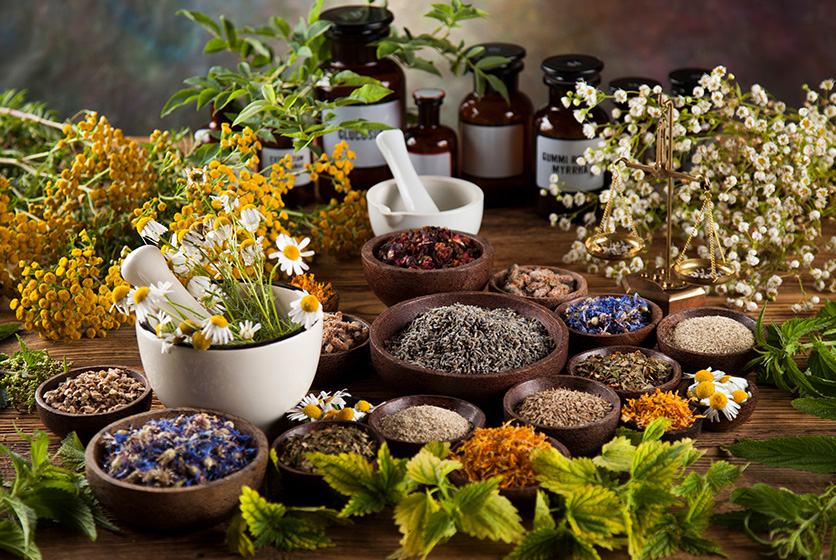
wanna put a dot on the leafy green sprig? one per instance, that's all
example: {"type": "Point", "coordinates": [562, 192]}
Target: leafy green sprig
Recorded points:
{"type": "Point", "coordinates": [22, 372]}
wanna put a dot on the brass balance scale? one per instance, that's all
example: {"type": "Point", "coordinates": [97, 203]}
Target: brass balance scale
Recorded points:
{"type": "Point", "coordinates": [677, 286]}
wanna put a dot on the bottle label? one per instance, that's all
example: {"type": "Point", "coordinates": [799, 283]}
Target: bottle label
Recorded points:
{"type": "Point", "coordinates": [363, 145]}
{"type": "Point", "coordinates": [560, 157]}
{"type": "Point", "coordinates": [432, 164]}
{"type": "Point", "coordinates": [493, 152]}
{"type": "Point", "coordinates": [269, 156]}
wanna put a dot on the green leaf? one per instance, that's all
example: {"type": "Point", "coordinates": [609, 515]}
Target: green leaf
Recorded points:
{"type": "Point", "coordinates": [13, 539]}
{"type": "Point", "coordinates": [561, 475]}
{"type": "Point", "coordinates": [616, 455]}
{"type": "Point", "coordinates": [471, 497]}
{"type": "Point", "coordinates": [660, 543]}
{"type": "Point", "coordinates": [255, 107]}
{"type": "Point", "coordinates": [543, 543]}
{"type": "Point", "coordinates": [591, 512]}
{"type": "Point", "coordinates": [370, 93]}
{"type": "Point", "coordinates": [809, 453]}
{"type": "Point", "coordinates": [498, 520]}
{"type": "Point", "coordinates": [823, 407]}
{"type": "Point", "coordinates": [202, 20]}
{"type": "Point", "coordinates": [694, 544]}
{"type": "Point", "coordinates": [8, 330]}
{"type": "Point", "coordinates": [363, 503]}
{"type": "Point", "coordinates": [347, 473]}
{"type": "Point", "coordinates": [236, 539]}
{"type": "Point", "coordinates": [491, 62]}
{"type": "Point", "coordinates": [215, 44]}
{"type": "Point", "coordinates": [656, 429]}
{"type": "Point", "coordinates": [64, 507]}
{"type": "Point", "coordinates": [26, 518]}
{"type": "Point", "coordinates": [776, 503]}
{"type": "Point", "coordinates": [821, 362]}
{"type": "Point", "coordinates": [690, 487]}
{"type": "Point", "coordinates": [658, 462]}
{"type": "Point", "coordinates": [439, 529]}
{"type": "Point", "coordinates": [38, 448]}
{"type": "Point", "coordinates": [700, 509]}
{"type": "Point", "coordinates": [182, 97]}
{"type": "Point", "coordinates": [542, 514]}
{"type": "Point", "coordinates": [722, 474]}
{"type": "Point", "coordinates": [426, 468]}
{"type": "Point", "coordinates": [285, 528]}
{"type": "Point", "coordinates": [411, 516]}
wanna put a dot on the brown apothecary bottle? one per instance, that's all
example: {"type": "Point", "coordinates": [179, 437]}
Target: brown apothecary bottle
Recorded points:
{"type": "Point", "coordinates": [432, 147]}
{"type": "Point", "coordinates": [273, 150]}
{"type": "Point", "coordinates": [353, 29]}
{"type": "Point", "coordinates": [496, 135]}
{"type": "Point", "coordinates": [560, 138]}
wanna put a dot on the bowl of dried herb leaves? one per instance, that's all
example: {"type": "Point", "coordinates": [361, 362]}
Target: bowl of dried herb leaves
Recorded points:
{"type": "Point", "coordinates": [611, 319]}
{"type": "Point", "coordinates": [547, 285]}
{"type": "Point", "coordinates": [406, 264]}
{"type": "Point", "coordinates": [630, 370]}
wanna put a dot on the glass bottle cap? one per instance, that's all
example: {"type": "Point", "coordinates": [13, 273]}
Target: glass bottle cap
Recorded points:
{"type": "Point", "coordinates": [684, 80]}
{"type": "Point", "coordinates": [566, 69]}
{"type": "Point", "coordinates": [514, 53]}
{"type": "Point", "coordinates": [428, 96]}
{"type": "Point", "coordinates": [357, 23]}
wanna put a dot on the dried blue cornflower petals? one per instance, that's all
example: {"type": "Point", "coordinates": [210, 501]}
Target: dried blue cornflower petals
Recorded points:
{"type": "Point", "coordinates": [182, 451]}
{"type": "Point", "coordinates": [608, 314]}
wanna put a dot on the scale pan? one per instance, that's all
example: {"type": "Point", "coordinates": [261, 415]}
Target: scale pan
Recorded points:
{"type": "Point", "coordinates": [613, 246]}
{"type": "Point", "coordinates": [698, 271]}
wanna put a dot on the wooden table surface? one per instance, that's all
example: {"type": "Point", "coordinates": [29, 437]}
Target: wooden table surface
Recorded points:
{"type": "Point", "coordinates": [518, 236]}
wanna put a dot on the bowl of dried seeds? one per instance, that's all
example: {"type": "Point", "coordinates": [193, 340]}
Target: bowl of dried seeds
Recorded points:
{"type": "Point", "coordinates": [703, 337]}
{"type": "Point", "coordinates": [629, 370]}
{"type": "Point", "coordinates": [406, 264]}
{"type": "Point", "coordinates": [580, 413]}
{"type": "Point", "coordinates": [411, 421]}
{"type": "Point", "coordinates": [610, 320]}
{"type": "Point", "coordinates": [86, 399]}
{"type": "Point", "coordinates": [345, 348]}
{"type": "Point", "coordinates": [547, 285]}
{"type": "Point", "coordinates": [470, 345]}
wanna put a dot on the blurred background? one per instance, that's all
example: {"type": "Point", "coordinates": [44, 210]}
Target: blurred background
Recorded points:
{"type": "Point", "coordinates": [125, 58]}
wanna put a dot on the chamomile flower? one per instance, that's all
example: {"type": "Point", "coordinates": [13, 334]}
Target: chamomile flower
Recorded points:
{"type": "Point", "coordinates": [720, 402]}
{"type": "Point", "coordinates": [216, 330]}
{"type": "Point", "coordinates": [247, 330]}
{"type": "Point", "coordinates": [251, 218]}
{"type": "Point", "coordinates": [151, 229]}
{"type": "Point", "coordinates": [307, 410]}
{"type": "Point", "coordinates": [306, 310]}
{"type": "Point", "coordinates": [142, 303]}
{"type": "Point", "coordinates": [120, 299]}
{"type": "Point", "coordinates": [326, 406]}
{"type": "Point", "coordinates": [290, 254]}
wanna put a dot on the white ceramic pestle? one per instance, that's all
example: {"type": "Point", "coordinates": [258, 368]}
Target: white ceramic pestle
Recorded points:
{"type": "Point", "coordinates": [146, 265]}
{"type": "Point", "coordinates": [415, 196]}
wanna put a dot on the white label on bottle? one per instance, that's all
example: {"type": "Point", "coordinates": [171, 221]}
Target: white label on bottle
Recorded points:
{"type": "Point", "coordinates": [432, 164]}
{"type": "Point", "coordinates": [561, 158]}
{"type": "Point", "coordinates": [269, 156]}
{"type": "Point", "coordinates": [363, 145]}
{"type": "Point", "coordinates": [493, 152]}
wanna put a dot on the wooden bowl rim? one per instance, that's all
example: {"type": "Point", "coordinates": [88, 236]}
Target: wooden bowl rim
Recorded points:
{"type": "Point", "coordinates": [341, 353]}
{"type": "Point", "coordinates": [376, 415]}
{"type": "Point", "coordinates": [656, 316]}
{"type": "Point", "coordinates": [367, 254]}
{"type": "Point", "coordinates": [55, 380]}
{"type": "Point", "coordinates": [676, 368]}
{"type": "Point", "coordinates": [669, 323]}
{"type": "Point", "coordinates": [580, 283]}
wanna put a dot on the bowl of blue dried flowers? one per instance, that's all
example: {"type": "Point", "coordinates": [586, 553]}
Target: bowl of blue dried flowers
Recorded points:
{"type": "Point", "coordinates": [610, 320]}
{"type": "Point", "coordinates": [175, 469]}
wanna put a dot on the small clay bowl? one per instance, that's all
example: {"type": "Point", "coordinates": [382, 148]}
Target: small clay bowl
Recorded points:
{"type": "Point", "coordinates": [624, 394]}
{"type": "Point", "coordinates": [308, 488]}
{"type": "Point", "coordinates": [404, 448]}
{"type": "Point", "coordinates": [523, 498]}
{"type": "Point", "coordinates": [724, 424]}
{"type": "Point", "coordinates": [583, 440]}
{"type": "Point", "coordinates": [691, 362]}
{"type": "Point", "coordinates": [175, 509]}
{"type": "Point", "coordinates": [393, 284]}
{"type": "Point", "coordinates": [85, 426]}
{"type": "Point", "coordinates": [581, 341]}
{"type": "Point", "coordinates": [581, 289]}
{"type": "Point", "coordinates": [406, 378]}
{"type": "Point", "coordinates": [332, 304]}
{"type": "Point", "coordinates": [335, 368]}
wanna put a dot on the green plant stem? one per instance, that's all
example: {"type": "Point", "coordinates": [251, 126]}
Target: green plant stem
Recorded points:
{"type": "Point", "coordinates": [30, 117]}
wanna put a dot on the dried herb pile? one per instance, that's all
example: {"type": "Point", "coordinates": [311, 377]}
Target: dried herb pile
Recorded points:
{"type": "Point", "coordinates": [430, 247]}
{"type": "Point", "coordinates": [332, 440]}
{"type": "Point", "coordinates": [632, 371]}
{"type": "Point", "coordinates": [608, 314]}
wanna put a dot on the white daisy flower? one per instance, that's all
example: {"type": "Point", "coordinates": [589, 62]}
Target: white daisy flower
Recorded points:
{"type": "Point", "coordinates": [729, 383]}
{"type": "Point", "coordinates": [290, 254]}
{"type": "Point", "coordinates": [246, 329]}
{"type": "Point", "coordinates": [198, 286]}
{"type": "Point", "coordinates": [159, 291]}
{"type": "Point", "coordinates": [228, 203]}
{"type": "Point", "coordinates": [143, 303]}
{"type": "Point", "coordinates": [251, 218]}
{"type": "Point", "coordinates": [151, 230]}
{"type": "Point", "coordinates": [121, 299]}
{"type": "Point", "coordinates": [307, 410]}
{"type": "Point", "coordinates": [306, 310]}
{"type": "Point", "coordinates": [720, 402]}
{"type": "Point", "coordinates": [216, 330]}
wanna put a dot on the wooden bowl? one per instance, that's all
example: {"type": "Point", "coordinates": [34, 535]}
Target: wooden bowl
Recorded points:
{"type": "Point", "coordinates": [624, 394]}
{"type": "Point", "coordinates": [174, 509]}
{"type": "Point", "coordinates": [335, 368]}
{"type": "Point", "coordinates": [308, 488]}
{"type": "Point", "coordinates": [732, 363]}
{"type": "Point", "coordinates": [581, 341]}
{"type": "Point", "coordinates": [724, 424]}
{"type": "Point", "coordinates": [406, 378]}
{"type": "Point", "coordinates": [583, 440]}
{"type": "Point", "coordinates": [581, 288]}
{"type": "Point", "coordinates": [332, 304]}
{"type": "Point", "coordinates": [404, 448]}
{"type": "Point", "coordinates": [85, 426]}
{"type": "Point", "coordinates": [393, 284]}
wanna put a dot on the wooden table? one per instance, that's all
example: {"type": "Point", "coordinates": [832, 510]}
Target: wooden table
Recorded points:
{"type": "Point", "coordinates": [518, 236]}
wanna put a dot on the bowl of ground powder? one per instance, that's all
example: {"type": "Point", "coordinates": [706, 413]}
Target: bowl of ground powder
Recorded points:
{"type": "Point", "coordinates": [700, 337]}
{"type": "Point", "coordinates": [409, 422]}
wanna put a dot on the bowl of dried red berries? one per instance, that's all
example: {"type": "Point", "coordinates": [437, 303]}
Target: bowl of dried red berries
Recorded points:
{"type": "Point", "coordinates": [406, 264]}
{"type": "Point", "coordinates": [175, 469]}
{"type": "Point", "coordinates": [548, 286]}
{"type": "Point", "coordinates": [345, 348]}
{"type": "Point", "coordinates": [86, 399]}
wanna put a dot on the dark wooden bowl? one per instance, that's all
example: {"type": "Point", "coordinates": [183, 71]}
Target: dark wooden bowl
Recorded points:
{"type": "Point", "coordinates": [174, 509]}
{"type": "Point", "coordinates": [332, 304]}
{"type": "Point", "coordinates": [724, 424]}
{"type": "Point", "coordinates": [392, 284]}
{"type": "Point", "coordinates": [524, 498]}
{"type": "Point", "coordinates": [406, 378]}
{"type": "Point", "coordinates": [624, 394]}
{"type": "Point", "coordinates": [337, 367]}
{"type": "Point", "coordinates": [732, 363]}
{"type": "Point", "coordinates": [581, 288]}
{"type": "Point", "coordinates": [85, 426]}
{"type": "Point", "coordinates": [581, 341]}
{"type": "Point", "coordinates": [305, 488]}
{"type": "Point", "coordinates": [584, 440]}
{"type": "Point", "coordinates": [403, 448]}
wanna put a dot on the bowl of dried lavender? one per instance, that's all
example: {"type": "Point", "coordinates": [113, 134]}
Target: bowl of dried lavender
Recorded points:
{"type": "Point", "coordinates": [86, 399]}
{"type": "Point", "coordinates": [580, 413]}
{"type": "Point", "coordinates": [410, 263]}
{"type": "Point", "coordinates": [411, 421]}
{"type": "Point", "coordinates": [630, 370]}
{"type": "Point", "coordinates": [469, 345]}
{"type": "Point", "coordinates": [547, 285]}
{"type": "Point", "coordinates": [345, 348]}
{"type": "Point", "coordinates": [175, 469]}
{"type": "Point", "coordinates": [610, 320]}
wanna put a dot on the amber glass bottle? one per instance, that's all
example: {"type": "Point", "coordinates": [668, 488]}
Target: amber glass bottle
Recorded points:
{"type": "Point", "coordinates": [273, 151]}
{"type": "Point", "coordinates": [353, 29]}
{"type": "Point", "coordinates": [496, 135]}
{"type": "Point", "coordinates": [684, 80]}
{"type": "Point", "coordinates": [560, 138]}
{"type": "Point", "coordinates": [432, 147]}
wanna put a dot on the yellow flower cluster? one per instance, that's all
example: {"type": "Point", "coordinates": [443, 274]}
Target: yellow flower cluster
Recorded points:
{"type": "Point", "coordinates": [343, 227]}
{"type": "Point", "coordinates": [71, 298]}
{"type": "Point", "coordinates": [246, 143]}
{"type": "Point", "coordinates": [337, 167]}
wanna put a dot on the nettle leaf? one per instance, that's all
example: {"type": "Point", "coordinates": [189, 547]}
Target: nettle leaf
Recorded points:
{"type": "Point", "coordinates": [661, 542]}
{"type": "Point", "coordinates": [616, 455]}
{"type": "Point", "coordinates": [71, 452]}
{"type": "Point", "coordinates": [426, 468]}
{"type": "Point", "coordinates": [543, 543]}
{"type": "Point", "coordinates": [560, 474]}
{"type": "Point", "coordinates": [26, 518]}
{"type": "Point", "coordinates": [236, 539]}
{"type": "Point", "coordinates": [656, 429]}
{"type": "Point", "coordinates": [497, 520]}
{"type": "Point", "coordinates": [347, 473]}
{"type": "Point", "coordinates": [691, 486]}
{"type": "Point", "coordinates": [823, 407]}
{"type": "Point", "coordinates": [700, 509]}
{"type": "Point", "coordinates": [411, 516]}
{"type": "Point", "coordinates": [13, 539]}
{"type": "Point", "coordinates": [64, 507]}
{"type": "Point", "coordinates": [390, 479]}
{"type": "Point", "coordinates": [542, 513]}
{"type": "Point", "coordinates": [285, 528]}
{"type": "Point", "coordinates": [439, 529]}
{"type": "Point", "coordinates": [694, 544]}
{"type": "Point", "coordinates": [471, 497]}
{"type": "Point", "coordinates": [722, 474]}
{"type": "Point", "coordinates": [808, 453]}
{"type": "Point", "coordinates": [776, 503]}
{"type": "Point", "coordinates": [8, 330]}
{"type": "Point", "coordinates": [591, 512]}
{"type": "Point", "coordinates": [658, 462]}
